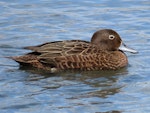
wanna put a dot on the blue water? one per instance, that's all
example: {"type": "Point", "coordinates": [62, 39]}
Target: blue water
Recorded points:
{"type": "Point", "coordinates": [32, 22]}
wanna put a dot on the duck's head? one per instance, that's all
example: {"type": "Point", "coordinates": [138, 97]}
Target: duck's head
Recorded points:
{"type": "Point", "coordinates": [108, 39]}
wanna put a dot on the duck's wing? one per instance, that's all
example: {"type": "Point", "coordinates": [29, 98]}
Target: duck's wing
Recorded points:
{"type": "Point", "coordinates": [60, 48]}
{"type": "Point", "coordinates": [47, 52]}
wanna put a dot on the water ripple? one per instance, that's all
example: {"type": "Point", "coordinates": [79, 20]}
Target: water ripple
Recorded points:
{"type": "Point", "coordinates": [32, 22]}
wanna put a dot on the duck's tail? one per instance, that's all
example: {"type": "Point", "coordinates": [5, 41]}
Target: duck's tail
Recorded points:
{"type": "Point", "coordinates": [30, 60]}
{"type": "Point", "coordinates": [27, 60]}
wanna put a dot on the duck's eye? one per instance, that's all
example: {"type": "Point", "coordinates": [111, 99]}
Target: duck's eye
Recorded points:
{"type": "Point", "coordinates": [111, 37]}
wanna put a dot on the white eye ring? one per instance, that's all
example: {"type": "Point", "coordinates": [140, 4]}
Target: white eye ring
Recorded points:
{"type": "Point", "coordinates": [111, 37]}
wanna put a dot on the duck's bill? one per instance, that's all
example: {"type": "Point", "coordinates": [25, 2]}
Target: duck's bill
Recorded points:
{"type": "Point", "coordinates": [123, 47]}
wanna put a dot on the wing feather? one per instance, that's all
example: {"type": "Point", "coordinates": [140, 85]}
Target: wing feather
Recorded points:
{"type": "Point", "coordinates": [48, 52]}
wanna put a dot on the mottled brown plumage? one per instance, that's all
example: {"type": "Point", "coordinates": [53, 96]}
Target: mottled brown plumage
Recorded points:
{"type": "Point", "coordinates": [102, 53]}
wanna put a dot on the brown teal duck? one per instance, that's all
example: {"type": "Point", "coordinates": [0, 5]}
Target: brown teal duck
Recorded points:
{"type": "Point", "coordinates": [104, 52]}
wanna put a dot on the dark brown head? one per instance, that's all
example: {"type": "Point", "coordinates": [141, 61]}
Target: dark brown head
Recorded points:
{"type": "Point", "coordinates": [106, 39]}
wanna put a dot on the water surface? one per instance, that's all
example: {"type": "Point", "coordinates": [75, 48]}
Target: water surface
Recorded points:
{"type": "Point", "coordinates": [32, 22]}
